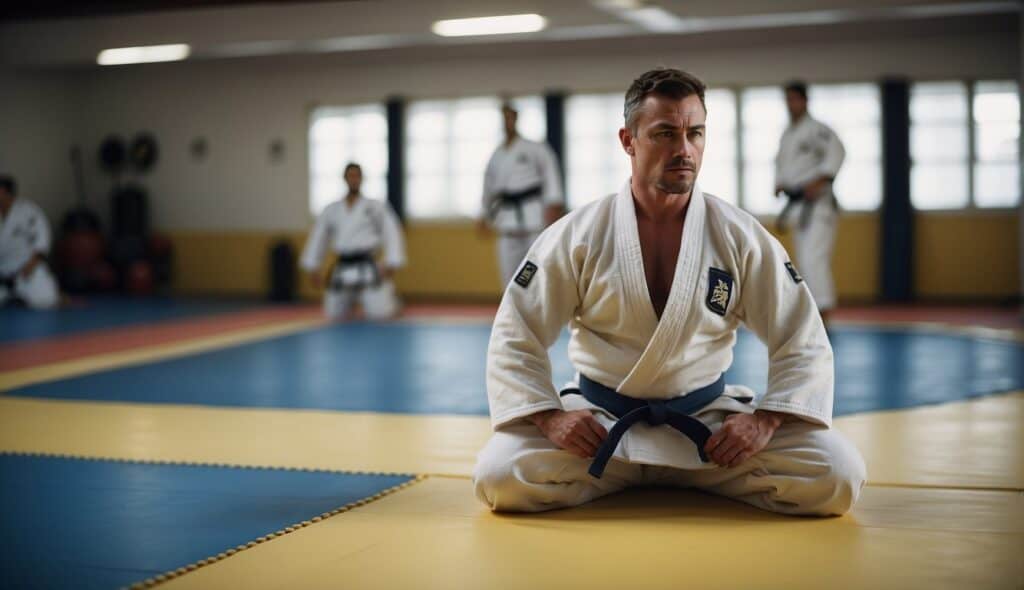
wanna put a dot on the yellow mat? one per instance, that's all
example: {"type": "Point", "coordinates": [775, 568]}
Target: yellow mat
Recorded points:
{"type": "Point", "coordinates": [383, 443]}
{"type": "Point", "coordinates": [974, 445]}
{"type": "Point", "coordinates": [434, 534]}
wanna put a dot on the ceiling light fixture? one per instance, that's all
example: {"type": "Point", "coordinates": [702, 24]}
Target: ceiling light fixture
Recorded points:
{"type": "Point", "coordinates": [490, 25]}
{"type": "Point", "coordinates": [141, 55]}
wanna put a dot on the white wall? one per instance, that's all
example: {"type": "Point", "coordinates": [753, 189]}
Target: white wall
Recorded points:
{"type": "Point", "coordinates": [240, 106]}
{"type": "Point", "coordinates": [38, 124]}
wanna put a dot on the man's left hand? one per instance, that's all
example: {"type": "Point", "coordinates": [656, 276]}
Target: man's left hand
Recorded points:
{"type": "Point", "coordinates": [741, 437]}
{"type": "Point", "coordinates": [386, 273]}
{"type": "Point", "coordinates": [814, 189]}
{"type": "Point", "coordinates": [30, 266]}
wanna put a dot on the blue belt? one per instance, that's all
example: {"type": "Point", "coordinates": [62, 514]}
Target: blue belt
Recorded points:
{"type": "Point", "coordinates": [630, 410]}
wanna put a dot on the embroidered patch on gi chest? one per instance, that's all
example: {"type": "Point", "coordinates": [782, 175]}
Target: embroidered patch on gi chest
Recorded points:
{"type": "Point", "coordinates": [793, 273]}
{"type": "Point", "coordinates": [525, 274]}
{"type": "Point", "coordinates": [719, 290]}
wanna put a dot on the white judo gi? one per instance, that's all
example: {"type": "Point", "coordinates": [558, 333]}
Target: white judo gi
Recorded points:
{"type": "Point", "coordinates": [25, 232]}
{"type": "Point", "coordinates": [368, 229]}
{"type": "Point", "coordinates": [523, 166]}
{"type": "Point", "coordinates": [809, 149]}
{"type": "Point", "coordinates": [586, 270]}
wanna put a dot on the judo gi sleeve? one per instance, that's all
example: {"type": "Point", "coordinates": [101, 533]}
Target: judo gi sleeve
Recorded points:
{"type": "Point", "coordinates": [316, 244]}
{"type": "Point", "coordinates": [538, 302]}
{"type": "Point", "coordinates": [777, 305]}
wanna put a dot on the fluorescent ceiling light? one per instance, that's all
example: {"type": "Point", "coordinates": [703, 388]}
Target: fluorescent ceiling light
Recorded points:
{"type": "Point", "coordinates": [490, 25]}
{"type": "Point", "coordinates": [654, 18]}
{"type": "Point", "coordinates": [141, 55]}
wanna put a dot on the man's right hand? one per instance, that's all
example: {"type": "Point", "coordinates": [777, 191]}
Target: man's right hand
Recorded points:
{"type": "Point", "coordinates": [483, 228]}
{"type": "Point", "coordinates": [577, 432]}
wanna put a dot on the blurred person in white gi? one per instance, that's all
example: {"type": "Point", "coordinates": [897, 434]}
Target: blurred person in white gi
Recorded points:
{"type": "Point", "coordinates": [810, 155]}
{"type": "Point", "coordinates": [654, 282]}
{"type": "Point", "coordinates": [366, 238]}
{"type": "Point", "coordinates": [24, 244]}
{"type": "Point", "coordinates": [522, 194]}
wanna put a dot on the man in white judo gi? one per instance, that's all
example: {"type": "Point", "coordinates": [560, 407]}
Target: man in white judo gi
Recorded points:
{"type": "Point", "coordinates": [522, 194]}
{"type": "Point", "coordinates": [24, 244]}
{"type": "Point", "coordinates": [357, 230]}
{"type": "Point", "coordinates": [809, 158]}
{"type": "Point", "coordinates": [654, 281]}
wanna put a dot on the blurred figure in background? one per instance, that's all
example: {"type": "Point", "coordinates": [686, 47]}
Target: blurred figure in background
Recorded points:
{"type": "Point", "coordinates": [356, 230]}
{"type": "Point", "coordinates": [24, 244]}
{"type": "Point", "coordinates": [522, 194]}
{"type": "Point", "coordinates": [808, 160]}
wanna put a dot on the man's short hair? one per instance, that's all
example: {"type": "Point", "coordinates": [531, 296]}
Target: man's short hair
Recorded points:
{"type": "Point", "coordinates": [667, 82]}
{"type": "Point", "coordinates": [350, 166]}
{"type": "Point", "coordinates": [8, 184]}
{"type": "Point", "coordinates": [797, 86]}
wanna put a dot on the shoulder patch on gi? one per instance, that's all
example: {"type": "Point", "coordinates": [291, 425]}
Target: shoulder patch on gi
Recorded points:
{"type": "Point", "coordinates": [793, 273]}
{"type": "Point", "coordinates": [525, 274]}
{"type": "Point", "coordinates": [719, 290]}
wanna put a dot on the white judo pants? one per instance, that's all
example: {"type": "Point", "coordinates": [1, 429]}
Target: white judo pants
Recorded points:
{"type": "Point", "coordinates": [378, 302]}
{"type": "Point", "coordinates": [814, 246]}
{"type": "Point", "coordinates": [512, 248]}
{"type": "Point", "coordinates": [805, 470]}
{"type": "Point", "coordinates": [38, 290]}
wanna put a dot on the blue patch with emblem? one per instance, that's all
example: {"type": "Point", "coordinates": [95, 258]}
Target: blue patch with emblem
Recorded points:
{"type": "Point", "coordinates": [526, 274]}
{"type": "Point", "coordinates": [720, 284]}
{"type": "Point", "coordinates": [793, 273]}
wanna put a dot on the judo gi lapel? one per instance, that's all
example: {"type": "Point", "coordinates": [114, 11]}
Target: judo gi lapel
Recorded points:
{"type": "Point", "coordinates": [666, 332]}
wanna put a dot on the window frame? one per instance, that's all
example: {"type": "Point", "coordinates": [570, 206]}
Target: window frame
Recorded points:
{"type": "Point", "coordinates": [311, 110]}
{"type": "Point", "coordinates": [450, 220]}
{"type": "Point", "coordinates": [972, 206]}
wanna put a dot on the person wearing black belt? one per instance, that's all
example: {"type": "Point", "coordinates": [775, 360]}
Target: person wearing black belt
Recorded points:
{"type": "Point", "coordinates": [654, 282]}
{"type": "Point", "coordinates": [366, 241]}
{"type": "Point", "coordinates": [24, 244]}
{"type": "Point", "coordinates": [810, 155]}
{"type": "Point", "coordinates": [522, 194]}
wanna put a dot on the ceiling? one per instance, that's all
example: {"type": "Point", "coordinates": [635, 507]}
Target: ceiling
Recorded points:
{"type": "Point", "coordinates": [71, 33]}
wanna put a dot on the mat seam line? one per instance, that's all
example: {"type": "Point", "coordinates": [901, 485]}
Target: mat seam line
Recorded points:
{"type": "Point", "coordinates": [181, 571]}
{"type": "Point", "coordinates": [177, 463]}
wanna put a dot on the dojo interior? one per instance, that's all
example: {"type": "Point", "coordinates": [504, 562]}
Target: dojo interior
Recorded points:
{"type": "Point", "coordinates": [187, 418]}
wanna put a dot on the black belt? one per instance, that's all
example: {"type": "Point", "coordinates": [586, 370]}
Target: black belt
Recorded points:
{"type": "Point", "coordinates": [8, 281]}
{"type": "Point", "coordinates": [795, 197]}
{"type": "Point", "coordinates": [362, 258]}
{"type": "Point", "coordinates": [516, 199]}
{"type": "Point", "coordinates": [629, 410]}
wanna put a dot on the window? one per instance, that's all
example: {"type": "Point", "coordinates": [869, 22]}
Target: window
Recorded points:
{"type": "Point", "coordinates": [996, 128]}
{"type": "Point", "coordinates": [939, 145]}
{"type": "Point", "coordinates": [854, 112]}
{"type": "Point", "coordinates": [339, 135]}
{"type": "Point", "coordinates": [448, 145]}
{"type": "Point", "coordinates": [718, 172]}
{"type": "Point", "coordinates": [597, 166]}
{"type": "Point", "coordinates": [764, 119]}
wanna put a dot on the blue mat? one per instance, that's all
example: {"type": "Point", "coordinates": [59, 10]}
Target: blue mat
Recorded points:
{"type": "Point", "coordinates": [97, 524]}
{"type": "Point", "coordinates": [97, 313]}
{"type": "Point", "coordinates": [431, 369]}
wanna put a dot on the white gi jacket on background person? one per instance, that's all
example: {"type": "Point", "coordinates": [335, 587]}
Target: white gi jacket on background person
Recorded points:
{"type": "Point", "coordinates": [367, 226]}
{"type": "Point", "coordinates": [522, 165]}
{"type": "Point", "coordinates": [809, 149]}
{"type": "Point", "coordinates": [24, 232]}
{"type": "Point", "coordinates": [587, 270]}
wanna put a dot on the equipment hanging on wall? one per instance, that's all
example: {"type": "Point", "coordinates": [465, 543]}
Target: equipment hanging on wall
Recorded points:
{"type": "Point", "coordinates": [143, 153]}
{"type": "Point", "coordinates": [113, 155]}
